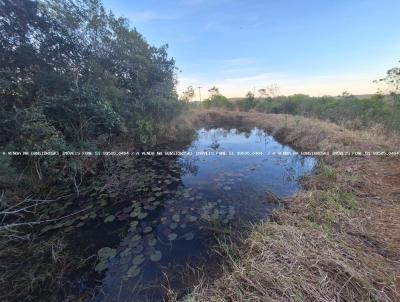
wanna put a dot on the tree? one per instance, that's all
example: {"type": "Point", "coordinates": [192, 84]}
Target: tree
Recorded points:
{"type": "Point", "coordinates": [262, 93]}
{"type": "Point", "coordinates": [393, 79]}
{"type": "Point", "coordinates": [247, 103]}
{"type": "Point", "coordinates": [85, 71]}
{"type": "Point", "coordinates": [213, 91]}
{"type": "Point", "coordinates": [273, 90]}
{"type": "Point", "coordinates": [188, 94]}
{"type": "Point", "coordinates": [250, 96]}
{"type": "Point", "coordinates": [72, 73]}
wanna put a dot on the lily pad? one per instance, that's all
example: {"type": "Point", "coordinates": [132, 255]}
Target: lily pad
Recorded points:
{"type": "Point", "coordinates": [133, 271]}
{"type": "Point", "coordinates": [156, 256]}
{"type": "Point", "coordinates": [142, 215]}
{"type": "Point", "coordinates": [137, 260]}
{"type": "Point", "coordinates": [188, 236]}
{"type": "Point", "coordinates": [147, 229]}
{"type": "Point", "coordinates": [173, 226]}
{"type": "Point", "coordinates": [110, 218]}
{"type": "Point", "coordinates": [191, 218]}
{"type": "Point", "coordinates": [137, 249]}
{"type": "Point", "coordinates": [176, 218]}
{"type": "Point", "coordinates": [137, 237]}
{"type": "Point", "coordinates": [106, 252]}
{"type": "Point", "coordinates": [152, 242]}
{"type": "Point", "coordinates": [172, 236]}
{"type": "Point", "coordinates": [101, 266]}
{"type": "Point", "coordinates": [126, 252]}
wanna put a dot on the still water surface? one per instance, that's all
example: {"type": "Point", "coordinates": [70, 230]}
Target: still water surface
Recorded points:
{"type": "Point", "coordinates": [172, 207]}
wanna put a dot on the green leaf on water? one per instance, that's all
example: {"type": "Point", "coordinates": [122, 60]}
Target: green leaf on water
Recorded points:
{"type": "Point", "coordinates": [137, 260]}
{"type": "Point", "coordinates": [188, 236]}
{"type": "Point", "coordinates": [156, 256]}
{"type": "Point", "coordinates": [126, 252]}
{"type": "Point", "coordinates": [176, 218]}
{"type": "Point", "coordinates": [172, 236]}
{"type": "Point", "coordinates": [106, 252]}
{"type": "Point", "coordinates": [191, 218]}
{"type": "Point", "coordinates": [137, 249]}
{"type": "Point", "coordinates": [137, 237]}
{"type": "Point", "coordinates": [101, 266]}
{"type": "Point", "coordinates": [147, 229]}
{"type": "Point", "coordinates": [110, 218]}
{"type": "Point", "coordinates": [142, 215]}
{"type": "Point", "coordinates": [133, 271]}
{"type": "Point", "coordinates": [152, 242]}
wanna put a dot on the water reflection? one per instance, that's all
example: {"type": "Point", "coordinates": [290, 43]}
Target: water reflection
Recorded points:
{"type": "Point", "coordinates": [162, 220]}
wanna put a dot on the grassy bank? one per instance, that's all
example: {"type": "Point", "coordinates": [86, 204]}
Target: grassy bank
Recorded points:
{"type": "Point", "coordinates": [338, 240]}
{"type": "Point", "coordinates": [348, 111]}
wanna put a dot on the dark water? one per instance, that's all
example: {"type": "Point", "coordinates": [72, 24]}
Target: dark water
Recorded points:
{"type": "Point", "coordinates": [172, 206]}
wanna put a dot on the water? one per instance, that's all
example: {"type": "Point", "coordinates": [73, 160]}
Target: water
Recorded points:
{"type": "Point", "coordinates": [167, 209]}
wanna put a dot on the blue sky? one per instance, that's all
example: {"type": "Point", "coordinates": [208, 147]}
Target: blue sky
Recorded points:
{"type": "Point", "coordinates": [315, 47]}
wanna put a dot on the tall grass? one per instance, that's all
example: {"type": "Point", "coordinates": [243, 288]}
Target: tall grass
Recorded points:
{"type": "Point", "coordinates": [349, 111]}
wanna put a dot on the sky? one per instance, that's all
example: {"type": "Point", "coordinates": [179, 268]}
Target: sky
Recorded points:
{"type": "Point", "coordinates": [315, 47]}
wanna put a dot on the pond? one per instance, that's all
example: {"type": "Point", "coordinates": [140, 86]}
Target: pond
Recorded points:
{"type": "Point", "coordinates": [171, 207]}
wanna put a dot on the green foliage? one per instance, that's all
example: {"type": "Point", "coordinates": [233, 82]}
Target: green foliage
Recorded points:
{"type": "Point", "coordinates": [84, 71]}
{"type": "Point", "coordinates": [218, 101]}
{"type": "Point", "coordinates": [247, 103]}
{"type": "Point", "coordinates": [347, 110]}
{"type": "Point", "coordinates": [73, 76]}
{"type": "Point", "coordinates": [341, 200]}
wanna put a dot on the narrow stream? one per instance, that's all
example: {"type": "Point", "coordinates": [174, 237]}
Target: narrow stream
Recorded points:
{"type": "Point", "coordinates": [172, 206]}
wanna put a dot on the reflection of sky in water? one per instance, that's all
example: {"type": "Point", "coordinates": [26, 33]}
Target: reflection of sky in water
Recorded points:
{"type": "Point", "coordinates": [259, 172]}
{"type": "Point", "coordinates": [211, 189]}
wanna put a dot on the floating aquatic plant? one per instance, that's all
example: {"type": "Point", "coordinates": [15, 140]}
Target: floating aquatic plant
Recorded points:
{"type": "Point", "coordinates": [156, 256]}
{"type": "Point", "coordinates": [172, 236]}
{"type": "Point", "coordinates": [109, 218]}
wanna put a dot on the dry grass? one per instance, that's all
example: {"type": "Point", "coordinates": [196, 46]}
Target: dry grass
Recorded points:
{"type": "Point", "coordinates": [306, 134]}
{"type": "Point", "coordinates": [338, 240]}
{"type": "Point", "coordinates": [35, 268]}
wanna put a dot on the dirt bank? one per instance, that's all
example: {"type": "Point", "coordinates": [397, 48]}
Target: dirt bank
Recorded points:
{"type": "Point", "coordinates": [338, 240]}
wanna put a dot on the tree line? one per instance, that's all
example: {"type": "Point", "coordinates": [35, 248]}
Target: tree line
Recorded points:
{"type": "Point", "coordinates": [73, 74]}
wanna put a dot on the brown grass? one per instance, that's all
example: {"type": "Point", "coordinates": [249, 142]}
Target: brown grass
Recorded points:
{"type": "Point", "coordinates": [338, 240]}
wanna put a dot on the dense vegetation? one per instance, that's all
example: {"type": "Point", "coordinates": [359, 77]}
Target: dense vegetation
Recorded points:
{"type": "Point", "coordinates": [347, 110]}
{"type": "Point", "coordinates": [71, 73]}
{"type": "Point", "coordinates": [74, 77]}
